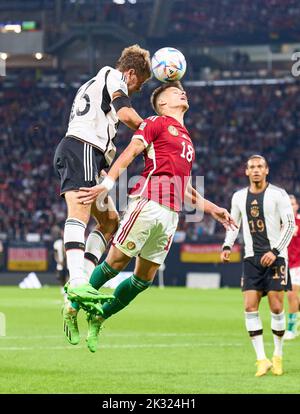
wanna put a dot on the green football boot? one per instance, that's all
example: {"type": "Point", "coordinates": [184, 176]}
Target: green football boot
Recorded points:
{"type": "Point", "coordinates": [86, 293]}
{"type": "Point", "coordinates": [70, 325]}
{"type": "Point", "coordinates": [94, 326]}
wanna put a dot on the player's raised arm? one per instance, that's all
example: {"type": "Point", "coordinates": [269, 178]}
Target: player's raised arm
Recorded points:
{"type": "Point", "coordinates": [126, 114]}
{"type": "Point", "coordinates": [220, 214]}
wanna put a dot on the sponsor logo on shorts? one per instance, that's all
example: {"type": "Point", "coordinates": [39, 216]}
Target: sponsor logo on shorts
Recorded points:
{"type": "Point", "coordinates": [173, 130]}
{"type": "Point", "coordinates": [130, 245]}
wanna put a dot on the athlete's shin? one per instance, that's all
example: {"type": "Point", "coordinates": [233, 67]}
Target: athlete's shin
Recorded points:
{"type": "Point", "coordinates": [95, 247]}
{"type": "Point", "coordinates": [74, 245]}
{"type": "Point", "coordinates": [125, 292]}
{"type": "Point", "coordinates": [255, 329]}
{"type": "Point", "coordinates": [278, 324]}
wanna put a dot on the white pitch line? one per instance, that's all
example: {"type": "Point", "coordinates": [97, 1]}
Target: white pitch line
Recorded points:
{"type": "Point", "coordinates": [134, 335]}
{"type": "Point", "coordinates": [125, 346]}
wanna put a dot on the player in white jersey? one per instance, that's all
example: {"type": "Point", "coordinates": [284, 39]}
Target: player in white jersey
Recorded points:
{"type": "Point", "coordinates": [86, 149]}
{"type": "Point", "coordinates": [267, 218]}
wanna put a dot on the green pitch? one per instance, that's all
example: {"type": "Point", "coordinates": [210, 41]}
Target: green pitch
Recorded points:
{"type": "Point", "coordinates": [171, 340]}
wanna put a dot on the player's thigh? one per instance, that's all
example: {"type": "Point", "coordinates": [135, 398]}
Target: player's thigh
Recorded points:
{"type": "Point", "coordinates": [135, 227]}
{"type": "Point", "coordinates": [107, 218]}
{"type": "Point", "coordinates": [252, 300]}
{"type": "Point", "coordinates": [117, 259]}
{"type": "Point", "coordinates": [158, 244]}
{"type": "Point", "coordinates": [144, 269]}
{"type": "Point", "coordinates": [75, 208]}
{"type": "Point", "coordinates": [276, 300]}
{"type": "Point", "coordinates": [77, 164]}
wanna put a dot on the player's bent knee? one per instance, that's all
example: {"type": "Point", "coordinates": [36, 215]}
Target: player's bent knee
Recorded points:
{"type": "Point", "coordinates": [108, 225]}
{"type": "Point", "coordinates": [251, 308]}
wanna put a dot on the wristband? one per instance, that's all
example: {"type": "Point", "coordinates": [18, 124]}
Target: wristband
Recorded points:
{"type": "Point", "coordinates": [275, 251]}
{"type": "Point", "coordinates": [226, 248]}
{"type": "Point", "coordinates": [108, 183]}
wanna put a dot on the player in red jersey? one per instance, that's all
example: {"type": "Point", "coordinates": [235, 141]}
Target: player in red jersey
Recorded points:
{"type": "Point", "coordinates": [294, 269]}
{"type": "Point", "coordinates": [148, 226]}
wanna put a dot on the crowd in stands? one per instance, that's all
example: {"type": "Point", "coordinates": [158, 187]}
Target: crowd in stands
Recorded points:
{"type": "Point", "coordinates": [227, 124]}
{"type": "Point", "coordinates": [206, 20]}
{"type": "Point", "coordinates": [225, 19]}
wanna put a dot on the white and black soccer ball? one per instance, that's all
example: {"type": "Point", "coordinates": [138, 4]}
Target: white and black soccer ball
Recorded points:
{"type": "Point", "coordinates": [168, 64]}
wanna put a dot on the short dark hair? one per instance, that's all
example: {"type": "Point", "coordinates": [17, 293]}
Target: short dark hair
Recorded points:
{"type": "Point", "coordinates": [161, 89]}
{"type": "Point", "coordinates": [257, 156]}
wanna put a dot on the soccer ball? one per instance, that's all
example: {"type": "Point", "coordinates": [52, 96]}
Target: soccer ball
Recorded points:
{"type": "Point", "coordinates": [168, 64]}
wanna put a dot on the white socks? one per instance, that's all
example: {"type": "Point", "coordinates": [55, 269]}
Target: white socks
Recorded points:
{"type": "Point", "coordinates": [254, 327]}
{"type": "Point", "coordinates": [278, 328]}
{"type": "Point", "coordinates": [74, 246]}
{"type": "Point", "coordinates": [94, 249]}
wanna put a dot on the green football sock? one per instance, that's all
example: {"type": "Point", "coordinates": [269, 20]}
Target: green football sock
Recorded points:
{"type": "Point", "coordinates": [292, 320]}
{"type": "Point", "coordinates": [102, 274]}
{"type": "Point", "coordinates": [125, 292]}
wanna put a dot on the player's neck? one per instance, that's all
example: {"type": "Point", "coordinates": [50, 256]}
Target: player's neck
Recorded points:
{"type": "Point", "coordinates": [177, 115]}
{"type": "Point", "coordinates": [258, 187]}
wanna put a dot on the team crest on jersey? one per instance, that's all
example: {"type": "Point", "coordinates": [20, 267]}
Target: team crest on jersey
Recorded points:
{"type": "Point", "coordinates": [130, 245]}
{"type": "Point", "coordinates": [173, 130]}
{"type": "Point", "coordinates": [254, 211]}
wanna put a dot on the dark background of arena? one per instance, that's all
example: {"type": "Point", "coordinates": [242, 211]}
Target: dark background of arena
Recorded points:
{"type": "Point", "coordinates": [243, 100]}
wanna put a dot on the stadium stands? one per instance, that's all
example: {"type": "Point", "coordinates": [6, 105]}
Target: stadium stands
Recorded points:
{"type": "Point", "coordinates": [227, 124]}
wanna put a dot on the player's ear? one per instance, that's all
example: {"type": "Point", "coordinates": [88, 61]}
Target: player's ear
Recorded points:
{"type": "Point", "coordinates": [247, 171]}
{"type": "Point", "coordinates": [131, 72]}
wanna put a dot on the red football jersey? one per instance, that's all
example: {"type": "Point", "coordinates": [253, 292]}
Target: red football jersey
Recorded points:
{"type": "Point", "coordinates": [169, 155]}
{"type": "Point", "coordinates": [294, 246]}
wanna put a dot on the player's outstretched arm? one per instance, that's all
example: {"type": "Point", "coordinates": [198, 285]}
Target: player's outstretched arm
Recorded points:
{"type": "Point", "coordinates": [125, 112]}
{"type": "Point", "coordinates": [89, 195]}
{"type": "Point", "coordinates": [218, 213]}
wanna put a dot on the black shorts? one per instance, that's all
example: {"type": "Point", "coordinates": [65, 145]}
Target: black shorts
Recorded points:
{"type": "Point", "coordinates": [265, 279]}
{"type": "Point", "coordinates": [77, 164]}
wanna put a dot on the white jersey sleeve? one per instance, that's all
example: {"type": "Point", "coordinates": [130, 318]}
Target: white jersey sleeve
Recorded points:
{"type": "Point", "coordinates": [116, 82]}
{"type": "Point", "coordinates": [287, 219]}
{"type": "Point", "coordinates": [236, 214]}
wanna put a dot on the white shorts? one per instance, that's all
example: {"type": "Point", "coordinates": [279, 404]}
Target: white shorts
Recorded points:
{"type": "Point", "coordinates": [295, 276]}
{"type": "Point", "coordinates": [147, 229]}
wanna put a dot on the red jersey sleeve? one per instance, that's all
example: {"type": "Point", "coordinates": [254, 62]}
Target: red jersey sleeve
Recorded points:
{"type": "Point", "coordinates": [148, 130]}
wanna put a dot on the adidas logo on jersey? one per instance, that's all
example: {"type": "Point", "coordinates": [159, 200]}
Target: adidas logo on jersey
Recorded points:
{"type": "Point", "coordinates": [254, 203]}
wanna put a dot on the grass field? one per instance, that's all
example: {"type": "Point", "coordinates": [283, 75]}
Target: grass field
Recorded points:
{"type": "Point", "coordinates": [171, 340]}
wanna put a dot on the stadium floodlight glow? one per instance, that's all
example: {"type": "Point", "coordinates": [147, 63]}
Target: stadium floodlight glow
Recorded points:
{"type": "Point", "coordinates": [38, 56]}
{"type": "Point", "coordinates": [119, 1]}
{"type": "Point", "coordinates": [132, 1]}
{"type": "Point", "coordinates": [3, 56]}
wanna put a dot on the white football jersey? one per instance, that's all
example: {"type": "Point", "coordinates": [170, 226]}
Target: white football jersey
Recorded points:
{"type": "Point", "coordinates": [93, 118]}
{"type": "Point", "coordinates": [267, 220]}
